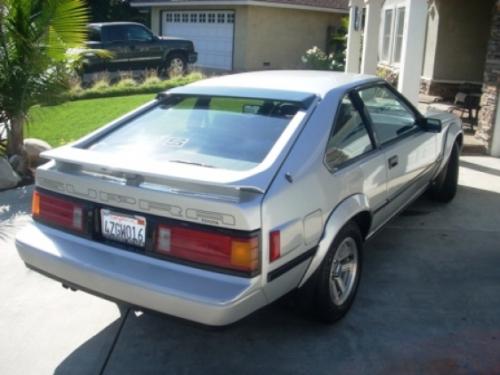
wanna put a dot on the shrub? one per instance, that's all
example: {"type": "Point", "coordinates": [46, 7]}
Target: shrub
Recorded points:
{"type": "Point", "coordinates": [317, 59]}
{"type": "Point", "coordinates": [152, 78]}
{"type": "Point", "coordinates": [128, 86]}
{"type": "Point", "coordinates": [124, 83]}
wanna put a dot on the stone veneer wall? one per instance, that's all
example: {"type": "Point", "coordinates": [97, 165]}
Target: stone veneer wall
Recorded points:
{"type": "Point", "coordinates": [491, 84]}
{"type": "Point", "coordinates": [446, 91]}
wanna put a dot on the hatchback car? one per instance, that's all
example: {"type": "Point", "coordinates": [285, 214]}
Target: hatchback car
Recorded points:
{"type": "Point", "coordinates": [219, 197]}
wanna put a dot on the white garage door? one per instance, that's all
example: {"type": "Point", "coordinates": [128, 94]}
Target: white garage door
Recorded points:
{"type": "Point", "coordinates": [211, 32]}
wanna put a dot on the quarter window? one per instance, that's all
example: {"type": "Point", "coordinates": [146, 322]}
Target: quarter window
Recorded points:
{"type": "Point", "coordinates": [350, 137]}
{"type": "Point", "coordinates": [390, 117]}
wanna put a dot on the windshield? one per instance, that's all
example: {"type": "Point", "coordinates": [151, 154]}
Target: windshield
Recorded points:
{"type": "Point", "coordinates": [213, 132]}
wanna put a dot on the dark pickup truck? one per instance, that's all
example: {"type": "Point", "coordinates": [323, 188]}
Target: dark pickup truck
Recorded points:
{"type": "Point", "coordinates": [135, 47]}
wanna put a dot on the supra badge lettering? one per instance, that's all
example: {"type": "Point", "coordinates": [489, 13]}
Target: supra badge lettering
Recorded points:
{"type": "Point", "coordinates": [116, 198]}
{"type": "Point", "coordinates": [155, 206]}
{"type": "Point", "coordinates": [208, 217]}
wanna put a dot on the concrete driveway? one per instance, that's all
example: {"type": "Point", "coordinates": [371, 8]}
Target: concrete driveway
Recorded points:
{"type": "Point", "coordinates": [429, 303]}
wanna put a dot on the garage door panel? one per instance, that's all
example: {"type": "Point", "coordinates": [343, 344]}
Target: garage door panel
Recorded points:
{"type": "Point", "coordinates": [212, 33]}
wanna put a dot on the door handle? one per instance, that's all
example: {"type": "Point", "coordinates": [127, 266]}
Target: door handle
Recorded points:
{"type": "Point", "coordinates": [393, 161]}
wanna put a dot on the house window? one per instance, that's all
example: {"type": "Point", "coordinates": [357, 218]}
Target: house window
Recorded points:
{"type": "Point", "coordinates": [221, 17]}
{"type": "Point", "coordinates": [185, 17]}
{"type": "Point", "coordinates": [177, 17]}
{"type": "Point", "coordinates": [194, 17]}
{"type": "Point", "coordinates": [391, 43]}
{"type": "Point", "coordinates": [211, 17]}
{"type": "Point", "coordinates": [386, 41]}
{"type": "Point", "coordinates": [230, 18]}
{"type": "Point", "coordinates": [169, 17]}
{"type": "Point", "coordinates": [202, 18]}
{"type": "Point", "coordinates": [400, 26]}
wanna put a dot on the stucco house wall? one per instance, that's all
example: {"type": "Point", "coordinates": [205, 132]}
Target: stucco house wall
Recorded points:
{"type": "Point", "coordinates": [267, 37]}
{"type": "Point", "coordinates": [456, 44]}
{"type": "Point", "coordinates": [277, 38]}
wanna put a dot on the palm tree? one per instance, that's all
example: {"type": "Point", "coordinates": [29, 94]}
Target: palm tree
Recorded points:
{"type": "Point", "coordinates": [34, 38]}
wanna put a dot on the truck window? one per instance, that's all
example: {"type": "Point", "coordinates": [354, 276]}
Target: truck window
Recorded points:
{"type": "Point", "coordinates": [94, 34]}
{"type": "Point", "coordinates": [116, 33]}
{"type": "Point", "coordinates": [138, 33]}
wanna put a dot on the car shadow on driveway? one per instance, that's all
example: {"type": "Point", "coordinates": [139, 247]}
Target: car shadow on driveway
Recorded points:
{"type": "Point", "coordinates": [428, 303]}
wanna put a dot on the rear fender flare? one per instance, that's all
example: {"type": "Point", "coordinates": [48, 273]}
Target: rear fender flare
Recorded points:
{"type": "Point", "coordinates": [340, 215]}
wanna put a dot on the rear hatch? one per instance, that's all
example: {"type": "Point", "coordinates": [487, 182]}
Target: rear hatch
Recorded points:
{"type": "Point", "coordinates": [186, 168]}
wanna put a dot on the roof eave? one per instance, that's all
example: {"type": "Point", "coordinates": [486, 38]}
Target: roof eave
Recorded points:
{"type": "Point", "coordinates": [237, 2]}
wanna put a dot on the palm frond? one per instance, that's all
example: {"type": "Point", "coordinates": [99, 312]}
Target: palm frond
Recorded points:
{"type": "Point", "coordinates": [67, 28]}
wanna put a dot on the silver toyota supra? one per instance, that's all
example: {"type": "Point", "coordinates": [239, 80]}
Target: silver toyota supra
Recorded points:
{"type": "Point", "coordinates": [219, 197]}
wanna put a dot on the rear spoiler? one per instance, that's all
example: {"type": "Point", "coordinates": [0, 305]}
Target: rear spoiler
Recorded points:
{"type": "Point", "coordinates": [132, 172]}
{"type": "Point", "coordinates": [304, 100]}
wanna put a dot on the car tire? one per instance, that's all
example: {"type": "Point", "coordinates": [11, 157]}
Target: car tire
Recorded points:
{"type": "Point", "coordinates": [175, 65]}
{"type": "Point", "coordinates": [341, 266]}
{"type": "Point", "coordinates": [444, 187]}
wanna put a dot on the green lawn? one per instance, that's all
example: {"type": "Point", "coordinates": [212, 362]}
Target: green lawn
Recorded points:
{"type": "Point", "coordinates": [69, 121]}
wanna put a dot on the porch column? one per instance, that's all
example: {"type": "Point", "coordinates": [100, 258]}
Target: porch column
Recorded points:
{"type": "Point", "coordinates": [412, 56]}
{"type": "Point", "coordinates": [353, 53]}
{"type": "Point", "coordinates": [371, 36]}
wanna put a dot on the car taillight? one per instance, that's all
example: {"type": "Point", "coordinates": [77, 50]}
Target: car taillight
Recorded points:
{"type": "Point", "coordinates": [58, 211]}
{"type": "Point", "coordinates": [210, 248]}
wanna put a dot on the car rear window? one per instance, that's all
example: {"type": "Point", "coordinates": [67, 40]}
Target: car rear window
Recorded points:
{"type": "Point", "coordinates": [214, 132]}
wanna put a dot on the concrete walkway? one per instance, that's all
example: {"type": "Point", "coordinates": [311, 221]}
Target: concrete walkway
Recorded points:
{"type": "Point", "coordinates": [429, 303]}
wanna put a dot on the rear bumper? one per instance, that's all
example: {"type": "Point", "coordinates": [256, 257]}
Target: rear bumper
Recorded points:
{"type": "Point", "coordinates": [202, 296]}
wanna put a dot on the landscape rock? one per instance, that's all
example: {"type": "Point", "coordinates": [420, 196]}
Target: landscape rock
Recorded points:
{"type": "Point", "coordinates": [18, 163]}
{"type": "Point", "coordinates": [8, 177]}
{"type": "Point", "coordinates": [33, 148]}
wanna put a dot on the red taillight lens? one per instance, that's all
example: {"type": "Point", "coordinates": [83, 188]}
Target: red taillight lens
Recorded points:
{"type": "Point", "coordinates": [274, 245]}
{"type": "Point", "coordinates": [58, 211]}
{"type": "Point", "coordinates": [211, 248]}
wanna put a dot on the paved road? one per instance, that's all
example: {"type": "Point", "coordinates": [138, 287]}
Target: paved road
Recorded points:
{"type": "Point", "coordinates": [429, 303]}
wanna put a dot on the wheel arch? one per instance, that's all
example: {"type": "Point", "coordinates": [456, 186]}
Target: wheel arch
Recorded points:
{"type": "Point", "coordinates": [175, 51]}
{"type": "Point", "coordinates": [354, 208]}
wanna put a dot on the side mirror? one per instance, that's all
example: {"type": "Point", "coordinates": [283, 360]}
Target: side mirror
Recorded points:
{"type": "Point", "coordinates": [433, 125]}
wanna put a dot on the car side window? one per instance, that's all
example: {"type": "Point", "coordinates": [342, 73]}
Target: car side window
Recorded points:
{"type": "Point", "coordinates": [137, 33]}
{"type": "Point", "coordinates": [349, 138]}
{"type": "Point", "coordinates": [390, 117]}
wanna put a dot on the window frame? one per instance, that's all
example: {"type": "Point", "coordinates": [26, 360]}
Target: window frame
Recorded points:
{"type": "Point", "coordinates": [355, 100]}
{"type": "Point", "coordinates": [148, 32]}
{"type": "Point", "coordinates": [419, 118]}
{"type": "Point", "coordinates": [395, 22]}
{"type": "Point", "coordinates": [387, 59]}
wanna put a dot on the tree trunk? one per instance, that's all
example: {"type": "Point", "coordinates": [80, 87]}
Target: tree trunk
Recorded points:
{"type": "Point", "coordinates": [16, 136]}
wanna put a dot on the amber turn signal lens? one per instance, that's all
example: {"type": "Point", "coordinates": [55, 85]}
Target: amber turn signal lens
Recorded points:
{"type": "Point", "coordinates": [35, 204]}
{"type": "Point", "coordinates": [244, 253]}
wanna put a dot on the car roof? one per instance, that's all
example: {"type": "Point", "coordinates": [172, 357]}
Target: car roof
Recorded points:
{"type": "Point", "coordinates": [312, 82]}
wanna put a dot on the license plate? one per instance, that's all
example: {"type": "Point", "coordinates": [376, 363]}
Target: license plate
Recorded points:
{"type": "Point", "coordinates": [129, 229]}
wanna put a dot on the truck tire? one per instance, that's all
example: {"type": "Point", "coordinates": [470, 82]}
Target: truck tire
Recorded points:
{"type": "Point", "coordinates": [336, 281]}
{"type": "Point", "coordinates": [175, 65]}
{"type": "Point", "coordinates": [444, 187]}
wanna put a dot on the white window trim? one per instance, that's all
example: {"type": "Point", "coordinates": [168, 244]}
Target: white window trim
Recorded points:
{"type": "Point", "coordinates": [382, 36]}
{"type": "Point", "coordinates": [394, 6]}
